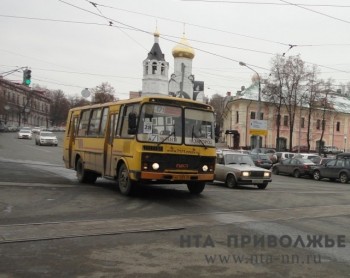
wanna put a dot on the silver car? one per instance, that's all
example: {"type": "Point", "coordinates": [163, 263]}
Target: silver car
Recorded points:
{"type": "Point", "coordinates": [239, 169]}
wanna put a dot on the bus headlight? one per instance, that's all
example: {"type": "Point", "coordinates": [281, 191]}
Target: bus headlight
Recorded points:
{"type": "Point", "coordinates": [155, 166]}
{"type": "Point", "coordinates": [205, 168]}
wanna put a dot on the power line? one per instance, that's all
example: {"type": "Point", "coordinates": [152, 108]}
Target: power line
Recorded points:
{"type": "Point", "coordinates": [268, 3]}
{"type": "Point", "coordinates": [299, 6]}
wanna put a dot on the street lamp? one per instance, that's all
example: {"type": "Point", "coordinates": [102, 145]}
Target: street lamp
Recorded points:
{"type": "Point", "coordinates": [259, 98]}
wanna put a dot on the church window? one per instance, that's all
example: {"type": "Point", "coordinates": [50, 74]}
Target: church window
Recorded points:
{"type": "Point", "coordinates": [154, 67]}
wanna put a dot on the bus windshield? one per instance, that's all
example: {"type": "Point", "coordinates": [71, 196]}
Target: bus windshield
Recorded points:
{"type": "Point", "coordinates": [160, 123]}
{"type": "Point", "coordinates": [199, 127]}
{"type": "Point", "coordinates": [165, 124]}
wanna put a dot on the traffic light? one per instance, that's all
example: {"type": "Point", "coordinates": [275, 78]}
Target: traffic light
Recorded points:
{"type": "Point", "coordinates": [27, 75]}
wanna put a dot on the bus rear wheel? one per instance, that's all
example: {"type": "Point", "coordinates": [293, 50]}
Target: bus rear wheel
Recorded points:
{"type": "Point", "coordinates": [83, 175]}
{"type": "Point", "coordinates": [126, 186]}
{"type": "Point", "coordinates": [196, 187]}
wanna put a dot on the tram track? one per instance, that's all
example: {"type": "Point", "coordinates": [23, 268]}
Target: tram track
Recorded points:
{"type": "Point", "coordinates": [15, 233]}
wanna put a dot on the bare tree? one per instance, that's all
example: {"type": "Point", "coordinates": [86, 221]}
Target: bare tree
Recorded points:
{"type": "Point", "coordinates": [103, 93]}
{"type": "Point", "coordinates": [59, 108]}
{"type": "Point", "coordinates": [326, 106]}
{"type": "Point", "coordinates": [286, 87]}
{"type": "Point", "coordinates": [217, 102]}
{"type": "Point", "coordinates": [273, 94]}
{"type": "Point", "coordinates": [75, 101]}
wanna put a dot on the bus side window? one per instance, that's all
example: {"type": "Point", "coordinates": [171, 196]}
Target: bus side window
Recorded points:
{"type": "Point", "coordinates": [133, 110]}
{"type": "Point", "coordinates": [103, 121]}
{"type": "Point", "coordinates": [94, 124]}
{"type": "Point", "coordinates": [83, 124]}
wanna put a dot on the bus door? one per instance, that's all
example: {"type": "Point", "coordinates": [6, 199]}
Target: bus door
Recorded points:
{"type": "Point", "coordinates": [113, 119]}
{"type": "Point", "coordinates": [71, 142]}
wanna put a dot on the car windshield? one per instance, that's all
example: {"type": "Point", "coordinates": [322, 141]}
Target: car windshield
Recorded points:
{"type": "Point", "coordinates": [25, 131]}
{"type": "Point", "coordinates": [238, 159]}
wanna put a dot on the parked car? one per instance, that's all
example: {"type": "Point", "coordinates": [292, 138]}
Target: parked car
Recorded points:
{"type": "Point", "coordinates": [331, 150]}
{"type": "Point", "coordinates": [284, 155]}
{"type": "Point", "coordinates": [310, 156]}
{"type": "Point", "coordinates": [321, 160]}
{"type": "Point", "coordinates": [302, 149]}
{"type": "Point", "coordinates": [239, 169]}
{"type": "Point", "coordinates": [335, 169]}
{"type": "Point", "coordinates": [343, 155]}
{"type": "Point", "coordinates": [296, 167]}
{"type": "Point", "coordinates": [262, 160]}
{"type": "Point", "coordinates": [270, 152]}
{"type": "Point", "coordinates": [46, 138]}
{"type": "Point", "coordinates": [24, 134]}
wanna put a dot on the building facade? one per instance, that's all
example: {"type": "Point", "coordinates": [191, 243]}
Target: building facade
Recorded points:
{"type": "Point", "coordinates": [240, 111]}
{"type": "Point", "coordinates": [22, 106]}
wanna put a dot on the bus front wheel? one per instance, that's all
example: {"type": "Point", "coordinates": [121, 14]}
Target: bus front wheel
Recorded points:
{"type": "Point", "coordinates": [196, 187]}
{"type": "Point", "coordinates": [83, 175]}
{"type": "Point", "coordinates": [126, 186]}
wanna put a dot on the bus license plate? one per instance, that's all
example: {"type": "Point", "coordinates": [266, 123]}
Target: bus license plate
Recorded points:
{"type": "Point", "coordinates": [182, 177]}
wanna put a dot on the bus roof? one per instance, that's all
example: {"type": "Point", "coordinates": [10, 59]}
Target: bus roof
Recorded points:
{"type": "Point", "coordinates": [150, 98]}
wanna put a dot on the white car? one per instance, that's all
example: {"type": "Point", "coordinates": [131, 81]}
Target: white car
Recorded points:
{"type": "Point", "coordinates": [36, 129]}
{"type": "Point", "coordinates": [46, 138]}
{"type": "Point", "coordinates": [24, 134]}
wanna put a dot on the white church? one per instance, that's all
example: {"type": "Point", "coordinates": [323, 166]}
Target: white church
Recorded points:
{"type": "Point", "coordinates": [182, 82]}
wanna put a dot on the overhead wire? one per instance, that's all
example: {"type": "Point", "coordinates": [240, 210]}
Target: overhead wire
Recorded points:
{"type": "Point", "coordinates": [267, 3]}
{"type": "Point", "coordinates": [313, 11]}
{"type": "Point", "coordinates": [196, 48]}
{"type": "Point", "coordinates": [129, 27]}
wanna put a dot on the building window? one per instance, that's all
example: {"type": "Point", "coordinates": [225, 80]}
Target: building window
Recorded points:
{"type": "Point", "coordinates": [261, 116]}
{"type": "Point", "coordinates": [252, 115]}
{"type": "Point", "coordinates": [285, 120]}
{"type": "Point", "coordinates": [302, 123]}
{"type": "Point", "coordinates": [338, 126]}
{"type": "Point", "coordinates": [237, 117]}
{"type": "Point", "coordinates": [318, 124]}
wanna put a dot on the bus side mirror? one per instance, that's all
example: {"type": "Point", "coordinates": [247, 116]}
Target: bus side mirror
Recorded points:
{"type": "Point", "coordinates": [132, 123]}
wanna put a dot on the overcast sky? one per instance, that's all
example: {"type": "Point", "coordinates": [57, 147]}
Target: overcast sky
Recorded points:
{"type": "Point", "coordinates": [70, 45]}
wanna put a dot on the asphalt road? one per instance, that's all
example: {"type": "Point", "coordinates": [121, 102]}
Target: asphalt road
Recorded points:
{"type": "Point", "coordinates": [51, 226]}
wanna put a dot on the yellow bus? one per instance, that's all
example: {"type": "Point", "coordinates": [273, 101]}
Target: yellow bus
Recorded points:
{"type": "Point", "coordinates": [151, 139]}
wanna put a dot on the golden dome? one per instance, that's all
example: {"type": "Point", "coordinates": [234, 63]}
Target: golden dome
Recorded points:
{"type": "Point", "coordinates": [183, 49]}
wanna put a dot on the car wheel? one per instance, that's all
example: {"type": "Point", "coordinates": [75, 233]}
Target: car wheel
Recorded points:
{"type": "Point", "coordinates": [317, 175]}
{"type": "Point", "coordinates": [343, 177]}
{"type": "Point", "coordinates": [231, 181]}
{"type": "Point", "coordinates": [126, 186]}
{"type": "Point", "coordinates": [196, 187]}
{"type": "Point", "coordinates": [262, 186]}
{"type": "Point", "coordinates": [275, 171]}
{"type": "Point", "coordinates": [296, 173]}
{"type": "Point", "coordinates": [83, 175]}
